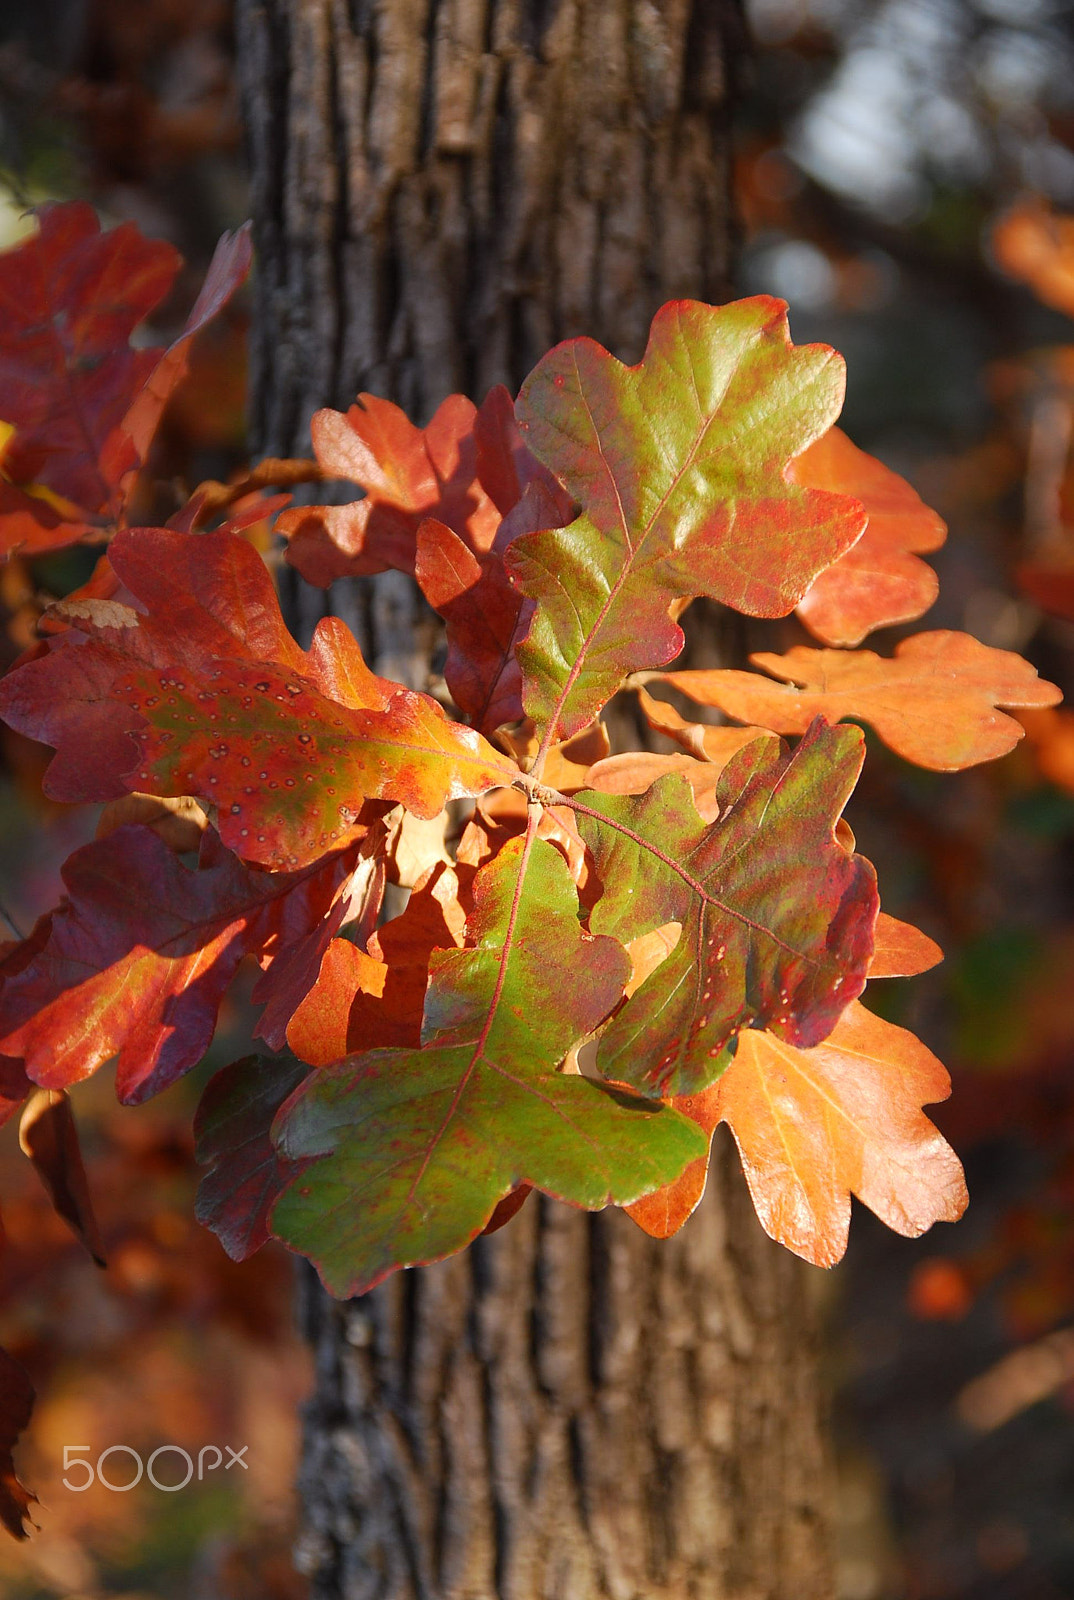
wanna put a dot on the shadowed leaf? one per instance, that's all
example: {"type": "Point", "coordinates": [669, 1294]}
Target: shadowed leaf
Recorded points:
{"type": "Point", "coordinates": [48, 1135]}
{"type": "Point", "coordinates": [231, 1138]}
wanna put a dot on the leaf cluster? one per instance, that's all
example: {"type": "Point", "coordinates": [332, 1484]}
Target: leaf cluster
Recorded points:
{"type": "Point", "coordinates": [604, 954]}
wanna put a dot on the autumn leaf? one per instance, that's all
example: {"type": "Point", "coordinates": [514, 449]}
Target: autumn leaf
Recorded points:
{"type": "Point", "coordinates": [713, 744]}
{"type": "Point", "coordinates": [16, 1405]}
{"type": "Point", "coordinates": [203, 692]}
{"type": "Point", "coordinates": [83, 403]}
{"type": "Point", "coordinates": [231, 1138]}
{"type": "Point", "coordinates": [777, 917]}
{"type": "Point", "coordinates": [933, 702]}
{"type": "Point", "coordinates": [879, 581]}
{"type": "Point", "coordinates": [136, 959]}
{"type": "Point", "coordinates": [815, 1126]}
{"type": "Point", "coordinates": [505, 466]}
{"type": "Point", "coordinates": [70, 297]}
{"type": "Point", "coordinates": [681, 475]}
{"type": "Point", "coordinates": [900, 951]}
{"type": "Point", "coordinates": [411, 1150]}
{"type": "Point", "coordinates": [484, 614]}
{"type": "Point", "coordinates": [407, 473]}
{"type": "Point", "coordinates": [368, 999]}
{"type": "Point", "coordinates": [48, 1135]}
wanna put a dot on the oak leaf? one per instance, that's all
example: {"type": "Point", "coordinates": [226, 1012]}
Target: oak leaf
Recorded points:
{"type": "Point", "coordinates": [410, 1151]}
{"type": "Point", "coordinates": [203, 692]}
{"type": "Point", "coordinates": [880, 580]}
{"type": "Point", "coordinates": [681, 476]}
{"type": "Point", "coordinates": [407, 473]}
{"type": "Point", "coordinates": [372, 998]}
{"type": "Point", "coordinates": [777, 916]}
{"type": "Point", "coordinates": [934, 702]}
{"type": "Point", "coordinates": [137, 959]}
{"type": "Point", "coordinates": [48, 1135]}
{"type": "Point", "coordinates": [232, 1138]}
{"type": "Point", "coordinates": [900, 951]}
{"type": "Point", "coordinates": [815, 1126]}
{"type": "Point", "coordinates": [85, 405]}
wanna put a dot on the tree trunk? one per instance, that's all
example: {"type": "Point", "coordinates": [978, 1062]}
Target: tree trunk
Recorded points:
{"type": "Point", "coordinates": [568, 1410]}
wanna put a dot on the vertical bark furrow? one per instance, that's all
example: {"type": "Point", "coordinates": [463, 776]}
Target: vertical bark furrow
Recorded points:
{"type": "Point", "coordinates": [443, 189]}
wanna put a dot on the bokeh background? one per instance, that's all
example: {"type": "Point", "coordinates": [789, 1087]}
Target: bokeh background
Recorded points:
{"type": "Point", "coordinates": [903, 170]}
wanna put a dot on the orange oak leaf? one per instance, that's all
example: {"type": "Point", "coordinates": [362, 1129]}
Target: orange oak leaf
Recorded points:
{"type": "Point", "coordinates": [934, 702]}
{"type": "Point", "coordinates": [203, 692]}
{"type": "Point", "coordinates": [879, 581]}
{"type": "Point", "coordinates": [369, 999]}
{"type": "Point", "coordinates": [408, 474]}
{"type": "Point", "coordinates": [632, 771]}
{"type": "Point", "coordinates": [900, 951]}
{"type": "Point", "coordinates": [815, 1126]}
{"type": "Point", "coordinates": [712, 744]}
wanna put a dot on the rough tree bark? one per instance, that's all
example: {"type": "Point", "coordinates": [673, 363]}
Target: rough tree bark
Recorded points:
{"type": "Point", "coordinates": [442, 189]}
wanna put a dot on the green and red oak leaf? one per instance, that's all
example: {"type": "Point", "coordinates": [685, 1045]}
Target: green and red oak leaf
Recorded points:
{"type": "Point", "coordinates": [83, 403]}
{"type": "Point", "coordinates": [410, 1151]}
{"type": "Point", "coordinates": [934, 702]}
{"type": "Point", "coordinates": [136, 959]}
{"type": "Point", "coordinates": [778, 918]}
{"type": "Point", "coordinates": [203, 692]}
{"type": "Point", "coordinates": [680, 467]}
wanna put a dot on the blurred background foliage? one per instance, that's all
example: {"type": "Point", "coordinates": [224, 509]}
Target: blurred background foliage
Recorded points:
{"type": "Point", "coordinates": [903, 170]}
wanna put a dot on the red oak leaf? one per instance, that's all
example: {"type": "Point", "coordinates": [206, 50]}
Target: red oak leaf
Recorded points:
{"type": "Point", "coordinates": [203, 692]}
{"type": "Point", "coordinates": [777, 917]}
{"type": "Point", "coordinates": [137, 959]}
{"type": "Point", "coordinates": [407, 473]}
{"type": "Point", "coordinates": [85, 405]}
{"type": "Point", "coordinates": [231, 1138]}
{"type": "Point", "coordinates": [485, 615]}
